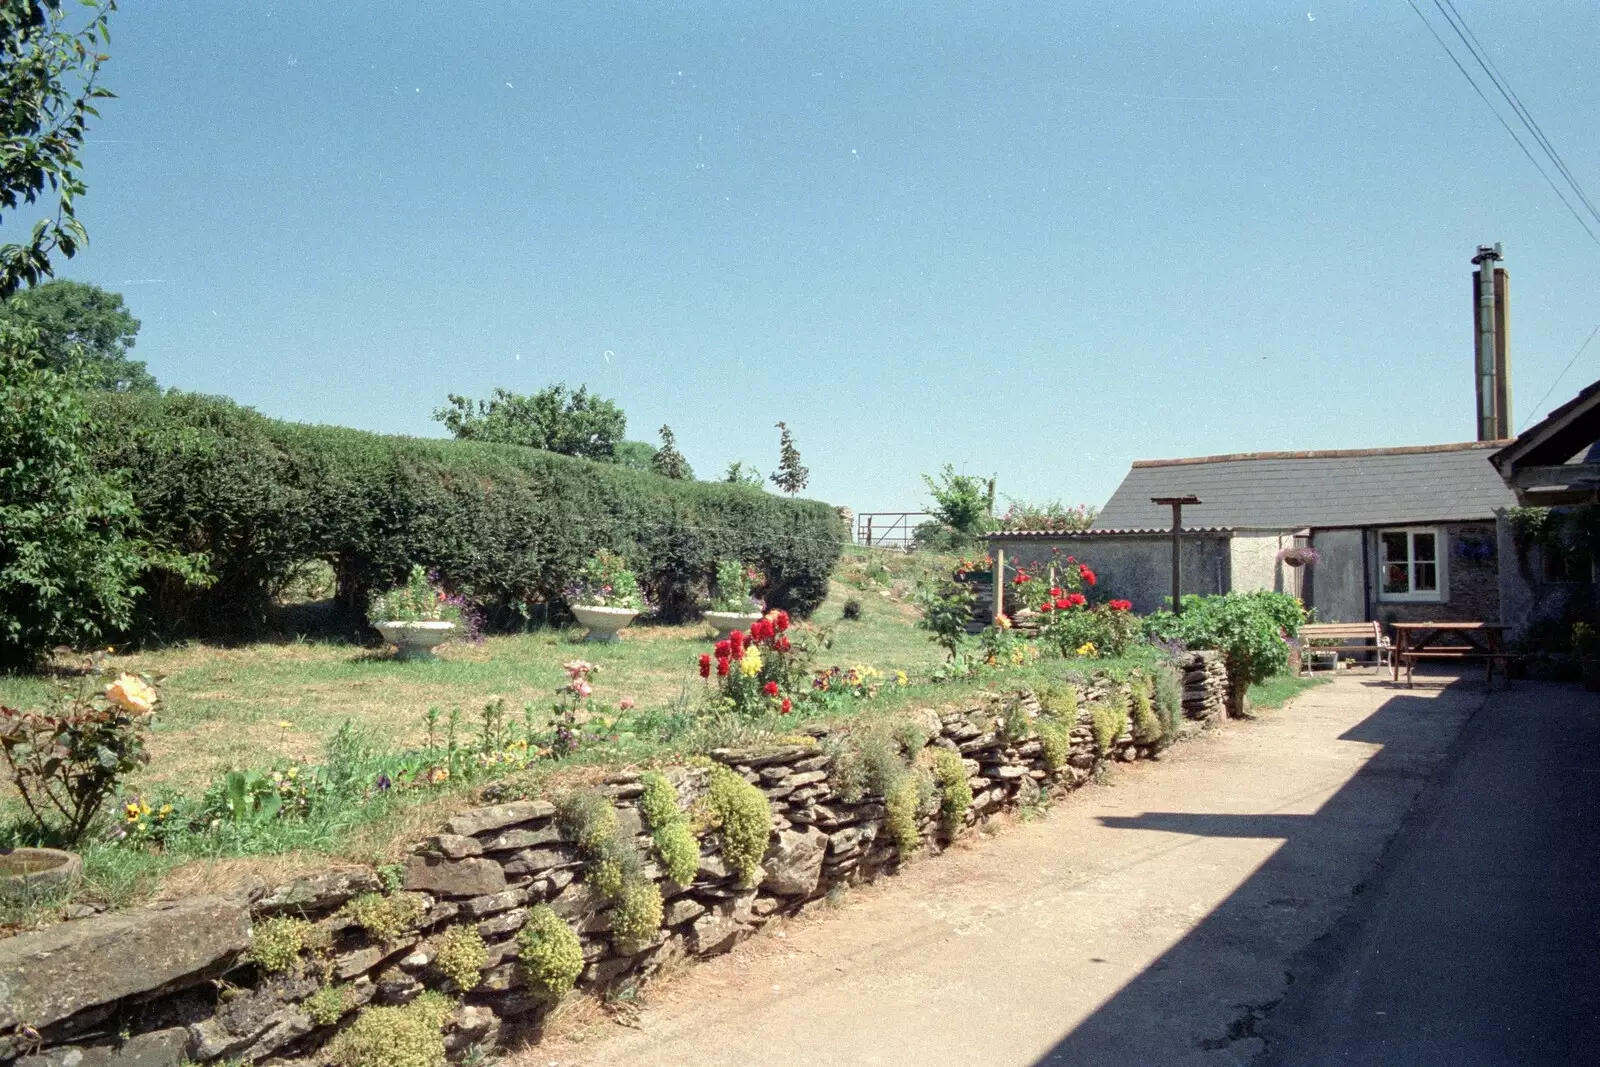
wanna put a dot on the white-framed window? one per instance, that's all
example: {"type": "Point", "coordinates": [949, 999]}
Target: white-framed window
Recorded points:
{"type": "Point", "coordinates": [1411, 563]}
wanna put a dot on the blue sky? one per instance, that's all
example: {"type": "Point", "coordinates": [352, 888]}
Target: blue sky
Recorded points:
{"type": "Point", "coordinates": [1032, 240]}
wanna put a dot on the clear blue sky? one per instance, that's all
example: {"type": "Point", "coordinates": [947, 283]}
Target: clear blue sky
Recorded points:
{"type": "Point", "coordinates": [1037, 240]}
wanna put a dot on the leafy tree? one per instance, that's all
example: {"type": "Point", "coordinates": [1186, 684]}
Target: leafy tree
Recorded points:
{"type": "Point", "coordinates": [946, 609]}
{"type": "Point", "coordinates": [69, 552]}
{"type": "Point", "coordinates": [668, 461]}
{"type": "Point", "coordinates": [573, 423]}
{"type": "Point", "coordinates": [48, 73]}
{"type": "Point", "coordinates": [83, 322]}
{"type": "Point", "coordinates": [962, 510]}
{"type": "Point", "coordinates": [635, 455]}
{"type": "Point", "coordinates": [791, 477]}
{"type": "Point", "coordinates": [741, 473]}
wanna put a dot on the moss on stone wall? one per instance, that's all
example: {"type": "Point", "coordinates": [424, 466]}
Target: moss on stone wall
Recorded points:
{"type": "Point", "coordinates": [744, 822]}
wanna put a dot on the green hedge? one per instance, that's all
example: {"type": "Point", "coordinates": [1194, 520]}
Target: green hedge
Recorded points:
{"type": "Point", "coordinates": [505, 526]}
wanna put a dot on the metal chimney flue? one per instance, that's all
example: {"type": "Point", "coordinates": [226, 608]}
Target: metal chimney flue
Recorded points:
{"type": "Point", "coordinates": [1491, 332]}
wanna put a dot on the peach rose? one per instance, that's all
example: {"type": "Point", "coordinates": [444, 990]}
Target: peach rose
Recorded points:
{"type": "Point", "coordinates": [132, 694]}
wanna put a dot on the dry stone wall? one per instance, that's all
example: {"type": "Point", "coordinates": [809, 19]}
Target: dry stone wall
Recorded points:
{"type": "Point", "coordinates": [191, 981]}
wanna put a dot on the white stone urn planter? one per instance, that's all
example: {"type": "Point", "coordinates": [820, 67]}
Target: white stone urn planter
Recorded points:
{"type": "Point", "coordinates": [26, 872]}
{"type": "Point", "coordinates": [725, 622]}
{"type": "Point", "coordinates": [416, 640]}
{"type": "Point", "coordinates": [602, 623]}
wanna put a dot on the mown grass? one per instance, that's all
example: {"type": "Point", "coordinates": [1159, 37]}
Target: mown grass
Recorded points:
{"type": "Point", "coordinates": [1278, 690]}
{"type": "Point", "coordinates": [249, 706]}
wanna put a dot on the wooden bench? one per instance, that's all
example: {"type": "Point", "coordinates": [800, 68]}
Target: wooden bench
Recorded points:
{"type": "Point", "coordinates": [1343, 637]}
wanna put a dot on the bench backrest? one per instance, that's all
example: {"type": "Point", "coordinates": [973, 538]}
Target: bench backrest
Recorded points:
{"type": "Point", "coordinates": [1334, 630]}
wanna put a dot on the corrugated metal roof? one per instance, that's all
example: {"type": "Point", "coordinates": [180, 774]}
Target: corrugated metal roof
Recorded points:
{"type": "Point", "coordinates": [1286, 490]}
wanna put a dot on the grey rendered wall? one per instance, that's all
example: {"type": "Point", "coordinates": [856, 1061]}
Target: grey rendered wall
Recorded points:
{"type": "Point", "coordinates": [1253, 560]}
{"type": "Point", "coordinates": [1338, 582]}
{"type": "Point", "coordinates": [1136, 567]}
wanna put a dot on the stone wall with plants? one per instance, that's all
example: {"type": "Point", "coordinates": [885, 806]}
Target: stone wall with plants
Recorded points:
{"type": "Point", "coordinates": [493, 920]}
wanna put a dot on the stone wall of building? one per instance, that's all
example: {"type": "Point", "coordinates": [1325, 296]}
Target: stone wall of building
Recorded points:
{"type": "Point", "coordinates": [1472, 585]}
{"type": "Point", "coordinates": [182, 982]}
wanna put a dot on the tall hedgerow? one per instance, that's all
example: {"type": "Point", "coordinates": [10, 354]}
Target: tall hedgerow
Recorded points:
{"type": "Point", "coordinates": [503, 525]}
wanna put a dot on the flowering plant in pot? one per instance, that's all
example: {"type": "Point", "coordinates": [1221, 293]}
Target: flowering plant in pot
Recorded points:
{"type": "Point", "coordinates": [605, 597]}
{"type": "Point", "coordinates": [416, 617]}
{"type": "Point", "coordinates": [1299, 556]}
{"type": "Point", "coordinates": [750, 671]}
{"type": "Point", "coordinates": [732, 606]}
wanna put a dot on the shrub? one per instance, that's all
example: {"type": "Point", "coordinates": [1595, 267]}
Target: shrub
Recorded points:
{"type": "Point", "coordinates": [409, 1036]}
{"type": "Point", "coordinates": [946, 607]}
{"type": "Point", "coordinates": [1110, 719]}
{"type": "Point", "coordinates": [70, 545]}
{"type": "Point", "coordinates": [550, 954]}
{"type": "Point", "coordinates": [605, 581]}
{"type": "Point", "coordinates": [611, 863]}
{"type": "Point", "coordinates": [1168, 692]}
{"type": "Point", "coordinates": [955, 792]}
{"type": "Point", "coordinates": [386, 917]}
{"type": "Point", "coordinates": [1055, 740]}
{"type": "Point", "coordinates": [900, 818]}
{"type": "Point", "coordinates": [637, 917]}
{"type": "Point", "coordinates": [65, 767]}
{"type": "Point", "coordinates": [851, 609]}
{"type": "Point", "coordinates": [744, 822]}
{"type": "Point", "coordinates": [1147, 727]}
{"type": "Point", "coordinates": [275, 944]}
{"type": "Point", "coordinates": [1251, 630]}
{"type": "Point", "coordinates": [328, 1005]}
{"type": "Point", "coordinates": [731, 591]}
{"type": "Point", "coordinates": [503, 525]}
{"type": "Point", "coordinates": [675, 841]}
{"type": "Point", "coordinates": [1014, 720]}
{"type": "Point", "coordinates": [462, 956]}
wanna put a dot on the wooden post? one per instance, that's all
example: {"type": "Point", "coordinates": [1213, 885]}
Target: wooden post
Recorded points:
{"type": "Point", "coordinates": [999, 583]}
{"type": "Point", "coordinates": [869, 531]}
{"type": "Point", "coordinates": [1177, 503]}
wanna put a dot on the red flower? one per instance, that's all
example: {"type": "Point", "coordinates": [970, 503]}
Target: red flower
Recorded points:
{"type": "Point", "coordinates": [786, 707]}
{"type": "Point", "coordinates": [1075, 600]}
{"type": "Point", "coordinates": [722, 666]}
{"type": "Point", "coordinates": [724, 649]}
{"type": "Point", "coordinates": [781, 620]}
{"type": "Point", "coordinates": [705, 666]}
{"type": "Point", "coordinates": [1056, 590]}
{"type": "Point", "coordinates": [1044, 609]}
{"type": "Point", "coordinates": [1122, 605]}
{"type": "Point", "coordinates": [781, 644]}
{"type": "Point", "coordinates": [1022, 576]}
{"type": "Point", "coordinates": [771, 689]}
{"type": "Point", "coordinates": [1062, 603]}
{"type": "Point", "coordinates": [736, 642]}
{"type": "Point", "coordinates": [1086, 574]}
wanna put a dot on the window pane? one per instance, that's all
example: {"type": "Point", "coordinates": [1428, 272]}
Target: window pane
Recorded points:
{"type": "Point", "coordinates": [1422, 546]}
{"type": "Point", "coordinates": [1395, 548]}
{"type": "Point", "coordinates": [1427, 577]}
{"type": "Point", "coordinates": [1396, 579]}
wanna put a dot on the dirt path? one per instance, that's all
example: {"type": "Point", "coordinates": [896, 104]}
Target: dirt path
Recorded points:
{"type": "Point", "coordinates": [1150, 920]}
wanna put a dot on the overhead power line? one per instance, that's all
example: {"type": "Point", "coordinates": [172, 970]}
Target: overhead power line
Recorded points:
{"type": "Point", "coordinates": [1525, 119]}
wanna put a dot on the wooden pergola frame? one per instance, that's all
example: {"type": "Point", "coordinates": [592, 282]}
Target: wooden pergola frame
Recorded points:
{"type": "Point", "coordinates": [1537, 464]}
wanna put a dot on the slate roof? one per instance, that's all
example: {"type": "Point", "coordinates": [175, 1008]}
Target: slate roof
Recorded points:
{"type": "Point", "coordinates": [1287, 490]}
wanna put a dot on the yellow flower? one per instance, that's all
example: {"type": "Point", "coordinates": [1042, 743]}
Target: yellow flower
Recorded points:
{"type": "Point", "coordinates": [284, 724]}
{"type": "Point", "coordinates": [132, 694]}
{"type": "Point", "coordinates": [291, 772]}
{"type": "Point", "coordinates": [131, 810]}
{"type": "Point", "coordinates": [166, 809]}
{"type": "Point", "coordinates": [1087, 649]}
{"type": "Point", "coordinates": [1002, 622]}
{"type": "Point", "coordinates": [901, 680]}
{"type": "Point", "coordinates": [750, 666]}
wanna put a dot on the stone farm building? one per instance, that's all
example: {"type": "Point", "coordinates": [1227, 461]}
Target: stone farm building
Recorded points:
{"type": "Point", "coordinates": [1404, 534]}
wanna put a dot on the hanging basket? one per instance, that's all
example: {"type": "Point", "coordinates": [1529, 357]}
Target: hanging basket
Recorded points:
{"type": "Point", "coordinates": [1299, 556]}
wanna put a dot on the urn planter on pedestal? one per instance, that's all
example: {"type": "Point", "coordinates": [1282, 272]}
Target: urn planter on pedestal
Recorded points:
{"type": "Point", "coordinates": [602, 623]}
{"type": "Point", "coordinates": [415, 640]}
{"type": "Point", "coordinates": [28, 872]}
{"type": "Point", "coordinates": [725, 622]}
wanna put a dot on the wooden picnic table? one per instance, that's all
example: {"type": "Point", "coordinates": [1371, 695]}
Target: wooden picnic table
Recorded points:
{"type": "Point", "coordinates": [1416, 640]}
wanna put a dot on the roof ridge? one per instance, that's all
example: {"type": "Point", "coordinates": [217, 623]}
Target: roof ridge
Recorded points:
{"type": "Point", "coordinates": [1335, 453]}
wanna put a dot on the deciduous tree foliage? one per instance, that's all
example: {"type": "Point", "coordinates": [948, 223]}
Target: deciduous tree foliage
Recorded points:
{"type": "Point", "coordinates": [49, 64]}
{"type": "Point", "coordinates": [573, 423]}
{"type": "Point", "coordinates": [68, 549]}
{"type": "Point", "coordinates": [82, 325]}
{"type": "Point", "coordinates": [504, 525]}
{"type": "Point", "coordinates": [790, 476]}
{"type": "Point", "coordinates": [668, 461]}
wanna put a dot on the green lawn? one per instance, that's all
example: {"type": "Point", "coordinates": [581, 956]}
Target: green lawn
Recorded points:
{"type": "Point", "coordinates": [246, 707]}
{"type": "Point", "coordinates": [1278, 690]}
